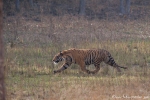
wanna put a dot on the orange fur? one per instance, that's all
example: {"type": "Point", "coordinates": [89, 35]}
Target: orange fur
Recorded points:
{"type": "Point", "coordinates": [84, 57]}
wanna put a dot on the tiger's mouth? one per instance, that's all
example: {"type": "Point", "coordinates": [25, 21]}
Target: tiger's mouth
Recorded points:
{"type": "Point", "coordinates": [55, 61]}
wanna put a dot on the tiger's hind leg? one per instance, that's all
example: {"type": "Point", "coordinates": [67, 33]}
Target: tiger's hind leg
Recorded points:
{"type": "Point", "coordinates": [91, 72]}
{"type": "Point", "coordinates": [97, 66]}
{"type": "Point", "coordinates": [83, 68]}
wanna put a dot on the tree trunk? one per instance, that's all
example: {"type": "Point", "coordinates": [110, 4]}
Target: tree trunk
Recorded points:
{"type": "Point", "coordinates": [17, 5]}
{"type": "Point", "coordinates": [31, 2]}
{"type": "Point", "coordinates": [122, 7]}
{"type": "Point", "coordinates": [128, 2]}
{"type": "Point", "coordinates": [125, 7]}
{"type": "Point", "coordinates": [82, 7]}
{"type": "Point", "coordinates": [2, 84]}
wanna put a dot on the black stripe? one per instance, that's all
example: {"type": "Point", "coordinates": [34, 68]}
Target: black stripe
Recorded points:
{"type": "Point", "coordinates": [67, 64]}
{"type": "Point", "coordinates": [109, 60]}
{"type": "Point", "coordinates": [60, 59]}
{"type": "Point", "coordinates": [90, 58]}
{"type": "Point", "coordinates": [112, 63]}
{"type": "Point", "coordinates": [69, 58]}
{"type": "Point", "coordinates": [65, 67]}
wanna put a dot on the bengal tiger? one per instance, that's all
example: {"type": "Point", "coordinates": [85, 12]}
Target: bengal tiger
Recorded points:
{"type": "Point", "coordinates": [84, 57]}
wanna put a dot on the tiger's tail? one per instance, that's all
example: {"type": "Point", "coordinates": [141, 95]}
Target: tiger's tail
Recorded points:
{"type": "Point", "coordinates": [112, 62]}
{"type": "Point", "coordinates": [118, 67]}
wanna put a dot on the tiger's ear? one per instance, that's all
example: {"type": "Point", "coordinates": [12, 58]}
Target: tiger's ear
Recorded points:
{"type": "Point", "coordinates": [61, 53]}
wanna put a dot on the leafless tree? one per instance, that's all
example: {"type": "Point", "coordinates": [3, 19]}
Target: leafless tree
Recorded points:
{"type": "Point", "coordinates": [17, 3]}
{"type": "Point", "coordinates": [2, 84]}
{"type": "Point", "coordinates": [82, 7]}
{"type": "Point", "coordinates": [125, 7]}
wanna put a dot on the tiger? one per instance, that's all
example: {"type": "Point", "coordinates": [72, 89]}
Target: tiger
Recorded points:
{"type": "Point", "coordinates": [84, 57]}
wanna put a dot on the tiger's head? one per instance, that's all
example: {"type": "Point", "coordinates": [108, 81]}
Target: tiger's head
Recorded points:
{"type": "Point", "coordinates": [58, 58]}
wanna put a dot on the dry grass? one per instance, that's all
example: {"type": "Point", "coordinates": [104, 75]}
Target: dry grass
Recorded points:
{"type": "Point", "coordinates": [74, 30]}
{"type": "Point", "coordinates": [66, 87]}
{"type": "Point", "coordinates": [30, 46]}
{"type": "Point", "coordinates": [30, 74]}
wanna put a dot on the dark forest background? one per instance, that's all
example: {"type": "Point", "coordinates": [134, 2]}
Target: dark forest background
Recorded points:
{"type": "Point", "coordinates": [101, 9]}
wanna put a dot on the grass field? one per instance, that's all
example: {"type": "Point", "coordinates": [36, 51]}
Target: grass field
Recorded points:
{"type": "Point", "coordinates": [32, 45]}
{"type": "Point", "coordinates": [78, 87]}
{"type": "Point", "coordinates": [30, 75]}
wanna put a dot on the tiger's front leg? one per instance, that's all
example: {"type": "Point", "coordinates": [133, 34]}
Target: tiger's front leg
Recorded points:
{"type": "Point", "coordinates": [64, 66]}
